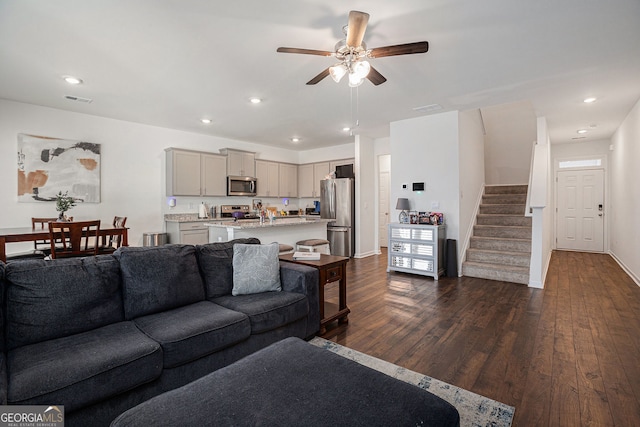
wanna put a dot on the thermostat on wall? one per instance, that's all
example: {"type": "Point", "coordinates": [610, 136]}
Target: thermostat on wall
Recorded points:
{"type": "Point", "coordinates": [418, 186]}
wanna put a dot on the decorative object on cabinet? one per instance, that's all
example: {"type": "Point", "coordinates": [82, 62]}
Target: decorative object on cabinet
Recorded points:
{"type": "Point", "coordinates": [403, 205]}
{"type": "Point", "coordinates": [417, 249]}
{"type": "Point", "coordinates": [47, 166]}
{"type": "Point", "coordinates": [413, 217]}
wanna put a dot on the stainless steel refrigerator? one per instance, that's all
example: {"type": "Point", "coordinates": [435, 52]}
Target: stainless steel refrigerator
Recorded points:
{"type": "Point", "coordinates": [337, 202]}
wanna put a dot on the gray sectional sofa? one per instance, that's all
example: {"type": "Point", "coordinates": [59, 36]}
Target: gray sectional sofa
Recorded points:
{"type": "Point", "coordinates": [102, 334]}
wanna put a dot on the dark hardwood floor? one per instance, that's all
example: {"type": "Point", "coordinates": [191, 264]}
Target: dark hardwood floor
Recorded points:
{"type": "Point", "coordinates": [568, 355]}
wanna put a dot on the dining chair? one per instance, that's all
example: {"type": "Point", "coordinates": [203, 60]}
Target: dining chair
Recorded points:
{"type": "Point", "coordinates": [110, 243]}
{"type": "Point", "coordinates": [74, 239]}
{"type": "Point", "coordinates": [41, 248]}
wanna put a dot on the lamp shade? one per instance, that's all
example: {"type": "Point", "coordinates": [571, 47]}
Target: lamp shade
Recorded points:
{"type": "Point", "coordinates": [402, 204]}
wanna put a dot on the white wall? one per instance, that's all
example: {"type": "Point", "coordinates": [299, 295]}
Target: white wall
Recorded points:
{"type": "Point", "coordinates": [324, 154]}
{"type": "Point", "coordinates": [510, 133]}
{"type": "Point", "coordinates": [366, 212]}
{"type": "Point", "coordinates": [625, 196]}
{"type": "Point", "coordinates": [472, 173]}
{"type": "Point", "coordinates": [425, 149]}
{"type": "Point", "coordinates": [133, 166]}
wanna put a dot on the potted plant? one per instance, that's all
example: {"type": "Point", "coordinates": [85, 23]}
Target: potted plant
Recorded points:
{"type": "Point", "coordinates": [64, 202]}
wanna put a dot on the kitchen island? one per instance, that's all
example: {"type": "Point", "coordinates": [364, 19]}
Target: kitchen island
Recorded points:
{"type": "Point", "coordinates": [282, 230]}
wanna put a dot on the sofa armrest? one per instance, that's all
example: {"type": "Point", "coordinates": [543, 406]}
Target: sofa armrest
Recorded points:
{"type": "Point", "coordinates": [303, 280]}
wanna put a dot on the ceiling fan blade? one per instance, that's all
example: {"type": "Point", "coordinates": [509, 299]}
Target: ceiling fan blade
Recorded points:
{"type": "Point", "coordinates": [304, 51]}
{"type": "Point", "coordinates": [375, 77]}
{"type": "Point", "coordinates": [356, 28]}
{"type": "Point", "coordinates": [399, 49]}
{"type": "Point", "coordinates": [319, 77]}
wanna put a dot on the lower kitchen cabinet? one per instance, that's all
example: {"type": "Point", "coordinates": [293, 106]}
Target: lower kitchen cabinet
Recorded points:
{"type": "Point", "coordinates": [417, 249]}
{"type": "Point", "coordinates": [188, 233]}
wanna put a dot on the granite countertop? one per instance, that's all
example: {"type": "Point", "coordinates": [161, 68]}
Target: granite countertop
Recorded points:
{"type": "Point", "coordinates": [193, 217]}
{"type": "Point", "coordinates": [278, 222]}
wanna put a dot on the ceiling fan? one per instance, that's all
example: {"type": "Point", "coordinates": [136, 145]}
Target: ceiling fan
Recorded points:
{"type": "Point", "coordinates": [352, 53]}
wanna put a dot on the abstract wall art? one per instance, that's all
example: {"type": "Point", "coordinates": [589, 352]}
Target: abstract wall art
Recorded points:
{"type": "Point", "coordinates": [48, 165]}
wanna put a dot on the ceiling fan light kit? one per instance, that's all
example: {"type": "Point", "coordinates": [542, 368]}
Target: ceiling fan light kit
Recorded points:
{"type": "Point", "coordinates": [352, 53]}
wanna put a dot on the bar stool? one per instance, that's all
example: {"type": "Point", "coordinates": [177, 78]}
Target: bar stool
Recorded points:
{"type": "Point", "coordinates": [314, 245]}
{"type": "Point", "coordinates": [285, 249]}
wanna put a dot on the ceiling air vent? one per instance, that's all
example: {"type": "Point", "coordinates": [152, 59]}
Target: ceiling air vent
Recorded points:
{"type": "Point", "coordinates": [428, 108]}
{"type": "Point", "coordinates": [78, 99]}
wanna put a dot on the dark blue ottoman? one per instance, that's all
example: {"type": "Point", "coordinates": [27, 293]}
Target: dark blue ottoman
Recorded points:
{"type": "Point", "coordinates": [293, 383]}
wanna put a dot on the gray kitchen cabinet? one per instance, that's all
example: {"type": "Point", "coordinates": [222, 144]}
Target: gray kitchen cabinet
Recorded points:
{"type": "Point", "coordinates": [417, 249]}
{"type": "Point", "coordinates": [309, 177]}
{"type": "Point", "coordinates": [188, 233]}
{"type": "Point", "coordinates": [268, 175]}
{"type": "Point", "coordinates": [193, 173]}
{"type": "Point", "coordinates": [240, 163]}
{"type": "Point", "coordinates": [288, 186]}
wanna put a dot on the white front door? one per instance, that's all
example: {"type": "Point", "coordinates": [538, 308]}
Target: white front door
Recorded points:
{"type": "Point", "coordinates": [383, 208]}
{"type": "Point", "coordinates": [580, 216]}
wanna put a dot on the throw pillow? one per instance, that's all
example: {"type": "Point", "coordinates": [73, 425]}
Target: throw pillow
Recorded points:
{"type": "Point", "coordinates": [256, 268]}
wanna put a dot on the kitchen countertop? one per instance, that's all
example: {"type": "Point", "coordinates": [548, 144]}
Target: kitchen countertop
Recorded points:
{"type": "Point", "coordinates": [193, 217]}
{"type": "Point", "coordinates": [282, 221]}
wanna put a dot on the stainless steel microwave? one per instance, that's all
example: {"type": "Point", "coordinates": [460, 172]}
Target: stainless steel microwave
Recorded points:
{"type": "Point", "coordinates": [241, 186]}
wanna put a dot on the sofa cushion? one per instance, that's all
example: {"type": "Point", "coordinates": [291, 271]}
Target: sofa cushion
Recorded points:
{"type": "Point", "coordinates": [2, 303]}
{"type": "Point", "coordinates": [216, 265]}
{"type": "Point", "coordinates": [190, 332]}
{"type": "Point", "coordinates": [58, 298]}
{"type": "Point", "coordinates": [256, 269]}
{"type": "Point", "coordinates": [156, 279]}
{"type": "Point", "coordinates": [80, 369]}
{"type": "Point", "coordinates": [268, 310]}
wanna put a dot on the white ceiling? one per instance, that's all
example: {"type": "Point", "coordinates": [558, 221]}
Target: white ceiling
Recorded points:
{"type": "Point", "coordinates": [171, 62]}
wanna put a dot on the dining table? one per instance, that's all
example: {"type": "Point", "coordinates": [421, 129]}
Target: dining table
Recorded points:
{"type": "Point", "coordinates": [28, 234]}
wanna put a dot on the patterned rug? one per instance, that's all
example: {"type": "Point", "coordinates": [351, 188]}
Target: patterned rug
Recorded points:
{"type": "Point", "coordinates": [475, 410]}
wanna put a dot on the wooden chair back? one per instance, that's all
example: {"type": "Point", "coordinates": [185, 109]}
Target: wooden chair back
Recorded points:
{"type": "Point", "coordinates": [112, 242]}
{"type": "Point", "coordinates": [41, 224]}
{"type": "Point", "coordinates": [74, 238]}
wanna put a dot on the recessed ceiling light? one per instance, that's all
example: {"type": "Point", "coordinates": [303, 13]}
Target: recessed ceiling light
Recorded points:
{"type": "Point", "coordinates": [581, 131]}
{"type": "Point", "coordinates": [255, 100]}
{"type": "Point", "coordinates": [346, 129]}
{"type": "Point", "coordinates": [589, 100]}
{"type": "Point", "coordinates": [72, 80]}
{"type": "Point", "coordinates": [205, 121]}
{"type": "Point", "coordinates": [295, 139]}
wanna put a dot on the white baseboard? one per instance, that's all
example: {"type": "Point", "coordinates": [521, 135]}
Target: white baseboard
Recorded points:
{"type": "Point", "coordinates": [625, 268]}
{"type": "Point", "coordinates": [366, 254]}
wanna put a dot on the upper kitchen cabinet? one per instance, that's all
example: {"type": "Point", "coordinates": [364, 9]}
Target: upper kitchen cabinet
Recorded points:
{"type": "Point", "coordinates": [309, 177]}
{"type": "Point", "coordinates": [288, 180]}
{"type": "Point", "coordinates": [192, 173]}
{"type": "Point", "coordinates": [268, 176]}
{"type": "Point", "coordinates": [240, 163]}
{"type": "Point", "coordinates": [213, 179]}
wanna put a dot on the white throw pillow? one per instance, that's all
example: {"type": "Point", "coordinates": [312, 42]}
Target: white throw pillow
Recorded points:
{"type": "Point", "coordinates": [256, 268]}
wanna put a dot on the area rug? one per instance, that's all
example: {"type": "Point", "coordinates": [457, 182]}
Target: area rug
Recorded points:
{"type": "Point", "coordinates": [475, 410]}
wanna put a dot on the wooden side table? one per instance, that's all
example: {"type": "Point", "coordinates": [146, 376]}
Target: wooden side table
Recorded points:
{"type": "Point", "coordinates": [331, 269]}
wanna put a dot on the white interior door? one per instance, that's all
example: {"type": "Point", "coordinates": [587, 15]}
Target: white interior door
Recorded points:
{"type": "Point", "coordinates": [383, 208]}
{"type": "Point", "coordinates": [580, 216]}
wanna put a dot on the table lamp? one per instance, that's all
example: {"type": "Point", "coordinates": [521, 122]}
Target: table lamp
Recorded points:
{"type": "Point", "coordinates": [403, 205]}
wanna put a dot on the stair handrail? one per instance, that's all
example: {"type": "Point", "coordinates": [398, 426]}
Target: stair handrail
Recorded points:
{"type": "Point", "coordinates": [528, 211]}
